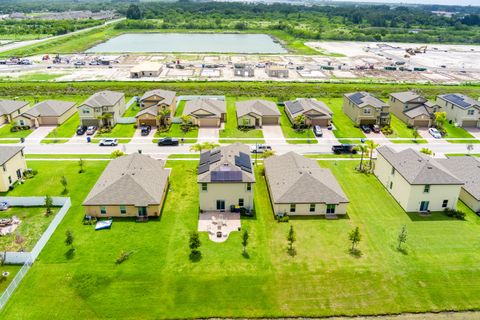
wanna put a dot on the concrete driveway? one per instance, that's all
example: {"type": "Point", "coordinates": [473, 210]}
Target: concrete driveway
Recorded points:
{"type": "Point", "coordinates": [474, 132]}
{"type": "Point", "coordinates": [39, 134]}
{"type": "Point", "coordinates": [328, 137]}
{"type": "Point", "coordinates": [423, 132]}
{"type": "Point", "coordinates": [208, 135]}
{"type": "Point", "coordinates": [138, 138]}
{"type": "Point", "coordinates": [273, 134]}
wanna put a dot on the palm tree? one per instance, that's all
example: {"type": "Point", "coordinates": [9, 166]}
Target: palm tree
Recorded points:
{"type": "Point", "coordinates": [162, 116]}
{"type": "Point", "coordinates": [199, 147]}
{"type": "Point", "coordinates": [105, 119]}
{"type": "Point", "coordinates": [362, 149]}
{"type": "Point", "coordinates": [371, 145]}
{"type": "Point", "coordinates": [415, 134]}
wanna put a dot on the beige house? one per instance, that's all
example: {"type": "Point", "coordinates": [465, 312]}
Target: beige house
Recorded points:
{"type": "Point", "coordinates": [364, 108]}
{"type": "Point", "coordinates": [9, 109]}
{"type": "Point", "coordinates": [130, 186]}
{"type": "Point", "coordinates": [12, 166]}
{"type": "Point", "coordinates": [315, 112]}
{"type": "Point", "coordinates": [243, 70]}
{"type": "Point", "coordinates": [418, 182]}
{"type": "Point", "coordinates": [154, 102]}
{"type": "Point", "coordinates": [256, 113]}
{"type": "Point", "coordinates": [461, 109]}
{"type": "Point", "coordinates": [206, 112]}
{"type": "Point", "coordinates": [276, 71]}
{"type": "Point", "coordinates": [100, 104]}
{"type": "Point", "coordinates": [226, 179]}
{"type": "Point", "coordinates": [146, 70]}
{"type": "Point", "coordinates": [467, 169]}
{"type": "Point", "coordinates": [48, 112]}
{"type": "Point", "coordinates": [298, 186]}
{"type": "Point", "coordinates": [413, 109]}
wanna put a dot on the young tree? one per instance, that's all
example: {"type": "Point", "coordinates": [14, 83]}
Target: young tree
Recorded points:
{"type": "Point", "coordinates": [299, 121]}
{"type": "Point", "coordinates": [48, 205]}
{"type": "Point", "coordinates": [245, 240]}
{"type": "Point", "coordinates": [354, 236]}
{"type": "Point", "coordinates": [69, 238]}
{"type": "Point", "coordinates": [362, 149]}
{"type": "Point", "coordinates": [426, 151]}
{"type": "Point", "coordinates": [64, 182]}
{"type": "Point", "coordinates": [291, 237]}
{"type": "Point", "coordinates": [371, 145]}
{"type": "Point", "coordinates": [402, 237]}
{"type": "Point", "coordinates": [162, 117]}
{"type": "Point", "coordinates": [81, 165]}
{"type": "Point", "coordinates": [116, 154]}
{"type": "Point", "coordinates": [440, 119]}
{"type": "Point", "coordinates": [415, 134]}
{"type": "Point", "coordinates": [199, 147]}
{"type": "Point", "coordinates": [194, 245]}
{"type": "Point", "coordinates": [268, 153]}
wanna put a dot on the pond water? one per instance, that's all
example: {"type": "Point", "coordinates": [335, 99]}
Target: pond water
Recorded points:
{"type": "Point", "coordinates": [190, 42]}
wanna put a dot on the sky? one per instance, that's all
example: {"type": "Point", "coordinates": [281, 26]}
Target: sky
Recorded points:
{"type": "Point", "coordinates": [446, 2]}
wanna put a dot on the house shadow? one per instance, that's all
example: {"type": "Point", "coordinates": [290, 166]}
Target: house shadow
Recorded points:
{"type": "Point", "coordinates": [319, 217]}
{"type": "Point", "coordinates": [432, 216]}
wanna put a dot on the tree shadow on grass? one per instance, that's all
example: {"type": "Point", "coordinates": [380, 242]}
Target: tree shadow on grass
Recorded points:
{"type": "Point", "coordinates": [356, 253]}
{"type": "Point", "coordinates": [195, 256]}
{"type": "Point", "coordinates": [70, 253]}
{"type": "Point", "coordinates": [246, 255]}
{"type": "Point", "coordinates": [403, 251]}
{"type": "Point", "coordinates": [292, 251]}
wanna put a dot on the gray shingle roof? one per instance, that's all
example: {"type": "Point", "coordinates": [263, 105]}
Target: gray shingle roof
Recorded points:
{"type": "Point", "coordinates": [223, 159]}
{"type": "Point", "coordinates": [260, 107]}
{"type": "Point", "coordinates": [418, 168]}
{"type": "Point", "coordinates": [135, 179]}
{"type": "Point", "coordinates": [153, 110]}
{"type": "Point", "coordinates": [467, 169]}
{"type": "Point", "coordinates": [418, 111]}
{"type": "Point", "coordinates": [406, 96]}
{"type": "Point", "coordinates": [49, 108]}
{"type": "Point", "coordinates": [9, 106]}
{"type": "Point", "coordinates": [300, 106]}
{"type": "Point", "coordinates": [460, 100]}
{"type": "Point", "coordinates": [104, 99]}
{"type": "Point", "coordinates": [363, 99]}
{"type": "Point", "coordinates": [8, 152]}
{"type": "Point", "coordinates": [296, 179]}
{"type": "Point", "coordinates": [214, 106]}
{"type": "Point", "coordinates": [166, 95]}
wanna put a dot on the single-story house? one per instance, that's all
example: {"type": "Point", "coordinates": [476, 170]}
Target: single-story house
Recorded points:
{"type": "Point", "coordinates": [413, 109]}
{"type": "Point", "coordinates": [93, 111]}
{"type": "Point", "coordinates": [130, 186]}
{"type": "Point", "coordinates": [152, 103]}
{"type": "Point", "coordinates": [48, 112]}
{"type": "Point", "coordinates": [226, 178]}
{"type": "Point", "coordinates": [467, 169]}
{"type": "Point", "coordinates": [298, 186]}
{"type": "Point", "coordinates": [461, 109]}
{"type": "Point", "coordinates": [256, 113]}
{"type": "Point", "coordinates": [9, 109]}
{"type": "Point", "coordinates": [146, 69]}
{"type": "Point", "coordinates": [364, 108]}
{"type": "Point", "coordinates": [276, 71]}
{"type": "Point", "coordinates": [12, 166]}
{"type": "Point", "coordinates": [417, 181]}
{"type": "Point", "coordinates": [206, 112]}
{"type": "Point", "coordinates": [315, 112]}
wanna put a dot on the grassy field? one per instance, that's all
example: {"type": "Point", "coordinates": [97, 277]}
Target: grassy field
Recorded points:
{"type": "Point", "coordinates": [458, 132]}
{"type": "Point", "coordinates": [438, 271]}
{"type": "Point", "coordinates": [344, 127]}
{"type": "Point", "coordinates": [400, 130]}
{"type": "Point", "coordinates": [33, 225]}
{"type": "Point", "coordinates": [303, 136]}
{"type": "Point", "coordinates": [231, 126]}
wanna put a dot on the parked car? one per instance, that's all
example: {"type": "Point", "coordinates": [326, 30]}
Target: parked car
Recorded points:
{"type": "Point", "coordinates": [81, 130]}
{"type": "Point", "coordinates": [91, 130]}
{"type": "Point", "coordinates": [376, 128]}
{"type": "Point", "coordinates": [344, 149]}
{"type": "Point", "coordinates": [109, 142]}
{"type": "Point", "coordinates": [168, 142]}
{"type": "Point", "coordinates": [435, 133]}
{"type": "Point", "coordinates": [260, 148]}
{"type": "Point", "coordinates": [317, 130]}
{"type": "Point", "coordinates": [79, 63]}
{"type": "Point", "coordinates": [365, 128]}
{"type": "Point", "coordinates": [145, 130]}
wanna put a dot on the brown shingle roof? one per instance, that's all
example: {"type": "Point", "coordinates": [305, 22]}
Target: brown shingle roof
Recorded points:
{"type": "Point", "coordinates": [9, 106]}
{"type": "Point", "coordinates": [49, 108]}
{"type": "Point", "coordinates": [104, 99]}
{"type": "Point", "coordinates": [166, 95]}
{"type": "Point", "coordinates": [260, 107]}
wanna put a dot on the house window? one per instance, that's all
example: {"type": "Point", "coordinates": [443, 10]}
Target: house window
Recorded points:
{"type": "Point", "coordinates": [471, 112]}
{"type": "Point", "coordinates": [241, 202]}
{"type": "Point", "coordinates": [204, 187]}
{"type": "Point", "coordinates": [123, 210]}
{"type": "Point", "coordinates": [312, 207]}
{"type": "Point", "coordinates": [393, 171]}
{"type": "Point", "coordinates": [444, 203]}
{"type": "Point", "coordinates": [249, 186]}
{"type": "Point", "coordinates": [103, 210]}
{"type": "Point", "coordinates": [331, 208]}
{"type": "Point", "coordinates": [367, 111]}
{"type": "Point", "coordinates": [85, 111]}
{"type": "Point", "coordinates": [391, 185]}
{"type": "Point", "coordinates": [10, 179]}
{"type": "Point", "coordinates": [293, 208]}
{"type": "Point", "coordinates": [426, 189]}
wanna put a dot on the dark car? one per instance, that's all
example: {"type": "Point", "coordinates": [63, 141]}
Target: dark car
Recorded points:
{"type": "Point", "coordinates": [317, 130]}
{"type": "Point", "coordinates": [81, 130]}
{"type": "Point", "coordinates": [145, 130]}
{"type": "Point", "coordinates": [344, 149]}
{"type": "Point", "coordinates": [168, 142]}
{"type": "Point", "coordinates": [365, 128]}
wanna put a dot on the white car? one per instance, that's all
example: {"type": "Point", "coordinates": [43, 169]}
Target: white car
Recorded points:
{"type": "Point", "coordinates": [109, 142]}
{"type": "Point", "coordinates": [435, 133]}
{"type": "Point", "coordinates": [260, 148]}
{"type": "Point", "coordinates": [91, 130]}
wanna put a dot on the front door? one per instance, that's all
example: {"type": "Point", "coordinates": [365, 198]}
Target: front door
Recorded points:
{"type": "Point", "coordinates": [142, 211]}
{"type": "Point", "coordinates": [424, 205]}
{"type": "Point", "coordinates": [220, 205]}
{"type": "Point", "coordinates": [19, 174]}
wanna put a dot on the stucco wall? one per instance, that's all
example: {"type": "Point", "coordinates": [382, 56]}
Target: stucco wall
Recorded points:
{"type": "Point", "coordinates": [230, 192]}
{"type": "Point", "coordinates": [303, 209]}
{"type": "Point", "coordinates": [11, 167]}
{"type": "Point", "coordinates": [114, 211]}
{"type": "Point", "coordinates": [456, 114]}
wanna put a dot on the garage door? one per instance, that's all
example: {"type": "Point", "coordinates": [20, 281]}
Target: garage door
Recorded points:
{"type": "Point", "coordinates": [208, 122]}
{"type": "Point", "coordinates": [48, 121]}
{"type": "Point", "coordinates": [148, 122]}
{"type": "Point", "coordinates": [320, 122]}
{"type": "Point", "coordinates": [469, 123]}
{"type": "Point", "coordinates": [421, 123]}
{"type": "Point", "coordinates": [368, 121]}
{"type": "Point", "coordinates": [270, 120]}
{"type": "Point", "coordinates": [89, 122]}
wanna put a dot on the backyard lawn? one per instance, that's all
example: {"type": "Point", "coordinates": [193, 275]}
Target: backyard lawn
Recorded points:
{"type": "Point", "coordinates": [400, 130]}
{"type": "Point", "coordinates": [458, 132]}
{"type": "Point", "coordinates": [231, 126]}
{"type": "Point", "coordinates": [344, 127]}
{"type": "Point", "coordinates": [440, 269]}
{"type": "Point", "coordinates": [291, 135]}
{"type": "Point", "coordinates": [12, 270]}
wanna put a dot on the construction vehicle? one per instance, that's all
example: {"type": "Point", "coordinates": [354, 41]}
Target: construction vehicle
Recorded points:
{"type": "Point", "coordinates": [421, 49]}
{"type": "Point", "coordinates": [410, 51]}
{"type": "Point", "coordinates": [57, 59]}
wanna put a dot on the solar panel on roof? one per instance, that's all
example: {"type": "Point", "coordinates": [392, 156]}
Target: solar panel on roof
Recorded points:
{"type": "Point", "coordinates": [203, 168]}
{"type": "Point", "coordinates": [215, 157]}
{"type": "Point", "coordinates": [224, 176]}
{"type": "Point", "coordinates": [457, 100]}
{"type": "Point", "coordinates": [205, 157]}
{"type": "Point", "coordinates": [357, 97]}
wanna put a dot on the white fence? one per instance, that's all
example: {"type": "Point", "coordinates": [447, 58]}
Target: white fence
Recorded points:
{"type": "Point", "coordinates": [28, 258]}
{"type": "Point", "coordinates": [126, 120]}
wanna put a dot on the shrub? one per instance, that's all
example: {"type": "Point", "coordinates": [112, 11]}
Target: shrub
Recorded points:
{"type": "Point", "coordinates": [387, 130]}
{"type": "Point", "coordinates": [124, 255]}
{"type": "Point", "coordinates": [457, 214]}
{"type": "Point", "coordinates": [282, 218]}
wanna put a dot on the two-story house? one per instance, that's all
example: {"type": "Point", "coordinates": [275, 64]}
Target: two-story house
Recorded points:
{"type": "Point", "coordinates": [364, 108]}
{"type": "Point", "coordinates": [226, 179]}
{"type": "Point", "coordinates": [461, 109]}
{"type": "Point", "coordinates": [417, 181]}
{"type": "Point", "coordinates": [12, 166]}
{"type": "Point", "coordinates": [412, 108]}
{"type": "Point", "coordinates": [154, 102]}
{"type": "Point", "coordinates": [103, 108]}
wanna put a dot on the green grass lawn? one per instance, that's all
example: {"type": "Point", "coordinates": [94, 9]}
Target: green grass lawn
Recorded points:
{"type": "Point", "coordinates": [67, 156]}
{"type": "Point", "coordinates": [33, 225]}
{"type": "Point", "coordinates": [400, 130]}
{"type": "Point", "coordinates": [65, 130]}
{"type": "Point", "coordinates": [175, 131]}
{"type": "Point", "coordinates": [439, 271]}
{"type": "Point", "coordinates": [458, 132]}
{"type": "Point", "coordinates": [5, 133]}
{"type": "Point", "coordinates": [12, 270]}
{"type": "Point", "coordinates": [231, 126]}
{"type": "Point", "coordinates": [125, 131]}
{"type": "Point", "coordinates": [344, 127]}
{"type": "Point", "coordinates": [304, 136]}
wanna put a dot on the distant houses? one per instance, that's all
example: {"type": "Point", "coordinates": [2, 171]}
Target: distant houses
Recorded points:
{"type": "Point", "coordinates": [12, 166]}
{"type": "Point", "coordinates": [276, 71]}
{"type": "Point", "coordinates": [206, 112]}
{"type": "Point", "coordinates": [413, 109]}
{"type": "Point", "coordinates": [146, 70]}
{"type": "Point", "coordinates": [461, 109]}
{"type": "Point", "coordinates": [102, 109]}
{"type": "Point", "coordinates": [364, 108]}
{"type": "Point", "coordinates": [48, 112]}
{"type": "Point", "coordinates": [256, 113]}
{"type": "Point", "coordinates": [315, 112]}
